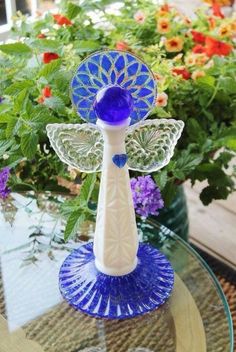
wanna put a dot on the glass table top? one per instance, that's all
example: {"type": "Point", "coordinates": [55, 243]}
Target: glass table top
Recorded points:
{"type": "Point", "coordinates": [34, 317]}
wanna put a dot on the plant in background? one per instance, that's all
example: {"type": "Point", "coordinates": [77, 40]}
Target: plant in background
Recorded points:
{"type": "Point", "coordinates": [4, 175]}
{"type": "Point", "coordinates": [146, 196]}
{"type": "Point", "coordinates": [194, 64]}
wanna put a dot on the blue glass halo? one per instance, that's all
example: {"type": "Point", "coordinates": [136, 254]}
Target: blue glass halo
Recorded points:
{"type": "Point", "coordinates": [113, 68]}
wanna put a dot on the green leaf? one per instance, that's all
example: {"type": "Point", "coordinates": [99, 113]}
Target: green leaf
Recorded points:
{"type": "Point", "coordinates": [87, 187]}
{"type": "Point", "coordinates": [12, 127]}
{"type": "Point", "coordinates": [29, 142]}
{"type": "Point", "coordinates": [73, 223]}
{"type": "Point", "coordinates": [206, 81]}
{"type": "Point", "coordinates": [161, 178]}
{"type": "Point", "coordinates": [5, 145]}
{"type": "Point", "coordinates": [72, 10]}
{"type": "Point", "coordinates": [179, 174]}
{"type": "Point", "coordinates": [83, 46]}
{"type": "Point", "coordinates": [210, 193]}
{"type": "Point", "coordinates": [50, 68]}
{"type": "Point", "coordinates": [54, 103]}
{"type": "Point", "coordinates": [187, 161]}
{"type": "Point", "coordinates": [46, 45]}
{"type": "Point", "coordinates": [5, 118]}
{"type": "Point", "coordinates": [21, 101]}
{"type": "Point", "coordinates": [17, 87]}
{"type": "Point", "coordinates": [15, 49]}
{"type": "Point", "coordinates": [169, 193]}
{"type": "Point", "coordinates": [227, 84]}
{"type": "Point", "coordinates": [195, 132]}
{"type": "Point", "coordinates": [160, 112]}
{"type": "Point", "coordinates": [214, 174]}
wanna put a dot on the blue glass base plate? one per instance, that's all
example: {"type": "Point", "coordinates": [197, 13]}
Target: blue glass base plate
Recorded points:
{"type": "Point", "coordinates": [116, 297]}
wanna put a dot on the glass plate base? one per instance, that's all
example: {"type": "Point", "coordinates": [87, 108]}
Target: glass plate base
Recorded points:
{"type": "Point", "coordinates": [116, 297]}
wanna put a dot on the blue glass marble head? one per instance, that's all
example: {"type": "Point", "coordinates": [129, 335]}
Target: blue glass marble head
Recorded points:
{"type": "Point", "coordinates": [112, 86]}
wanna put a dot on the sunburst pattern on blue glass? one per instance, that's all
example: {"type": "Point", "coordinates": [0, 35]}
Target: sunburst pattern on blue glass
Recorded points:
{"type": "Point", "coordinates": [109, 68]}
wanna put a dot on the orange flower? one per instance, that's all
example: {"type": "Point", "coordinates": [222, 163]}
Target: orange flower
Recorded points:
{"type": "Point", "coordinates": [41, 36]}
{"type": "Point", "coordinates": [190, 60]}
{"type": "Point", "coordinates": [62, 20]}
{"type": "Point", "coordinates": [187, 21]}
{"type": "Point", "coordinates": [158, 77]}
{"type": "Point", "coordinates": [163, 25]}
{"type": "Point", "coordinates": [40, 100]}
{"type": "Point", "coordinates": [122, 46]}
{"type": "Point", "coordinates": [201, 59]}
{"type": "Point", "coordinates": [161, 99]}
{"type": "Point", "coordinates": [212, 23]}
{"type": "Point", "coordinates": [220, 2]}
{"type": "Point", "coordinates": [216, 47]}
{"type": "Point", "coordinates": [165, 8]}
{"type": "Point", "coordinates": [181, 71]}
{"type": "Point", "coordinates": [163, 11]}
{"type": "Point", "coordinates": [174, 44]}
{"type": "Point", "coordinates": [216, 10]}
{"type": "Point", "coordinates": [233, 27]}
{"type": "Point", "coordinates": [225, 30]}
{"type": "Point", "coordinates": [139, 17]}
{"type": "Point", "coordinates": [197, 74]}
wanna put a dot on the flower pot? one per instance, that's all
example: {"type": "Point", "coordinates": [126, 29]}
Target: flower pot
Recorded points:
{"type": "Point", "coordinates": [175, 217]}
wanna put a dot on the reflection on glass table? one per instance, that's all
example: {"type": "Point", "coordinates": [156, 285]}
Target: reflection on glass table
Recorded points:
{"type": "Point", "coordinates": [34, 317]}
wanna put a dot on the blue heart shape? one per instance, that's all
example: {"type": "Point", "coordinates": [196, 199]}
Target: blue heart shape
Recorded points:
{"type": "Point", "coordinates": [120, 160]}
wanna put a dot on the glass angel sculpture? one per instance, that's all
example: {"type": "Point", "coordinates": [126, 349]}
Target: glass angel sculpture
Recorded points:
{"type": "Point", "coordinates": [115, 276]}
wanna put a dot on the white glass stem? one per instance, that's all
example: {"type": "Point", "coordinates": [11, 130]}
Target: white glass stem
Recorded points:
{"type": "Point", "coordinates": [116, 239]}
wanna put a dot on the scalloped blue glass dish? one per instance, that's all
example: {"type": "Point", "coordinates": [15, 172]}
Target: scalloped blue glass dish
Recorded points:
{"type": "Point", "coordinates": [113, 68]}
{"type": "Point", "coordinates": [116, 297]}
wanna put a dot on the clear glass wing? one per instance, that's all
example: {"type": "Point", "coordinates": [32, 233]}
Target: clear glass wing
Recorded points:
{"type": "Point", "coordinates": [150, 144]}
{"type": "Point", "coordinates": [78, 145]}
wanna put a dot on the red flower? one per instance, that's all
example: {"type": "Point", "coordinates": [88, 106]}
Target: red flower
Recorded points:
{"type": "Point", "coordinates": [181, 71]}
{"type": "Point", "coordinates": [216, 47]}
{"type": "Point", "coordinates": [59, 19]}
{"type": "Point", "coordinates": [48, 57]}
{"type": "Point", "coordinates": [198, 37]}
{"type": "Point", "coordinates": [198, 49]}
{"type": "Point", "coordinates": [122, 46]}
{"type": "Point", "coordinates": [216, 10]}
{"type": "Point", "coordinates": [46, 91]}
{"type": "Point", "coordinates": [41, 36]}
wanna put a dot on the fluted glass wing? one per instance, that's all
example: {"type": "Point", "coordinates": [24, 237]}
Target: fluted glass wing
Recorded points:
{"type": "Point", "coordinates": [150, 145]}
{"type": "Point", "coordinates": [109, 68]}
{"type": "Point", "coordinates": [78, 145]}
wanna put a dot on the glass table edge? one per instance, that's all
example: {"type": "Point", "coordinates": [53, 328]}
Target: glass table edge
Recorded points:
{"type": "Point", "coordinates": [190, 249]}
{"type": "Point", "coordinates": [215, 282]}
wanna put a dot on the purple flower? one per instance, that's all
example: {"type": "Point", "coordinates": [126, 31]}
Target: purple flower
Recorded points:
{"type": "Point", "coordinates": [4, 175]}
{"type": "Point", "coordinates": [146, 196]}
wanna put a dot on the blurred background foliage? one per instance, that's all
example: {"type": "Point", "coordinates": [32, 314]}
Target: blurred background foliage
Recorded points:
{"type": "Point", "coordinates": [195, 76]}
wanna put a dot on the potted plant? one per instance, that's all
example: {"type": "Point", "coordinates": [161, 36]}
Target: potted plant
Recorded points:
{"type": "Point", "coordinates": [194, 63]}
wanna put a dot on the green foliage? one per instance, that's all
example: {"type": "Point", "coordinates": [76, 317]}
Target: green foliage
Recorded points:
{"type": "Point", "coordinates": [77, 210]}
{"type": "Point", "coordinates": [15, 49]}
{"type": "Point", "coordinates": [207, 105]}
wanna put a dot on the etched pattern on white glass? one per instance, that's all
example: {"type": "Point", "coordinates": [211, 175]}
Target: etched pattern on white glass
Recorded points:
{"type": "Point", "coordinates": [150, 144]}
{"type": "Point", "coordinates": [78, 145]}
